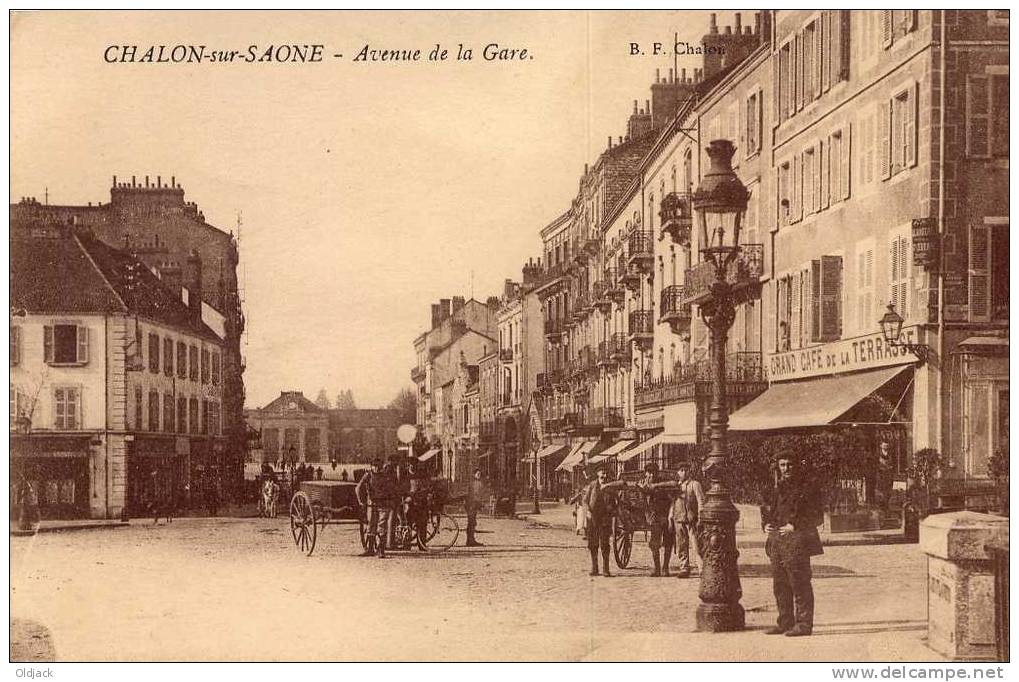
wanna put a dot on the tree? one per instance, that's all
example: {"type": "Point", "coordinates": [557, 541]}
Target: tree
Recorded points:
{"type": "Point", "coordinates": [322, 400]}
{"type": "Point", "coordinates": [406, 402]}
{"type": "Point", "coordinates": [345, 400]}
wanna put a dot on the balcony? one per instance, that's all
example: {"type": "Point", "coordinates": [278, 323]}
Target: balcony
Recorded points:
{"type": "Point", "coordinates": [580, 255]}
{"type": "Point", "coordinates": [580, 394]}
{"type": "Point", "coordinates": [641, 251]}
{"type": "Point", "coordinates": [744, 271]}
{"type": "Point", "coordinates": [621, 351]}
{"type": "Point", "coordinates": [676, 217]}
{"type": "Point", "coordinates": [592, 245]}
{"type": "Point", "coordinates": [605, 418]}
{"type": "Point", "coordinates": [600, 296]}
{"type": "Point", "coordinates": [642, 328]}
{"type": "Point", "coordinates": [673, 310]}
{"type": "Point", "coordinates": [506, 355]}
{"type": "Point", "coordinates": [614, 289]}
{"type": "Point", "coordinates": [588, 359]}
{"type": "Point", "coordinates": [744, 373]}
{"type": "Point", "coordinates": [554, 329]}
{"type": "Point", "coordinates": [571, 421]}
{"type": "Point", "coordinates": [605, 357]}
{"type": "Point", "coordinates": [555, 271]}
{"type": "Point", "coordinates": [581, 306]}
{"type": "Point", "coordinates": [417, 374]}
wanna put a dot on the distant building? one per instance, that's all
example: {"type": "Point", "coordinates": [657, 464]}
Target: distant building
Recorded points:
{"type": "Point", "coordinates": [116, 384]}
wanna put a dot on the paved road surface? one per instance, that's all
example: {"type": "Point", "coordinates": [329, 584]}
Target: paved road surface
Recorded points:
{"type": "Point", "coordinates": [236, 589]}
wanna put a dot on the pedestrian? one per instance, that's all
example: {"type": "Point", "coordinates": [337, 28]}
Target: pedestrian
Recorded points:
{"type": "Point", "coordinates": [600, 500]}
{"type": "Point", "coordinates": [343, 475]}
{"type": "Point", "coordinates": [319, 474]}
{"type": "Point", "coordinates": [885, 477]}
{"type": "Point", "coordinates": [155, 503]}
{"type": "Point", "coordinates": [475, 498]}
{"type": "Point", "coordinates": [580, 512]}
{"type": "Point", "coordinates": [376, 492]}
{"type": "Point", "coordinates": [658, 495]}
{"type": "Point", "coordinates": [790, 518]}
{"type": "Point", "coordinates": [212, 497]}
{"type": "Point", "coordinates": [685, 513]}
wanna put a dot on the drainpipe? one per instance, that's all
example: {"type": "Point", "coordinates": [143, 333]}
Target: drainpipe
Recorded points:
{"type": "Point", "coordinates": [941, 233]}
{"type": "Point", "coordinates": [106, 387]}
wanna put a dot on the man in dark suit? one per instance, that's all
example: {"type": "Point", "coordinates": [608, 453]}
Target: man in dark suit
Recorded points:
{"type": "Point", "coordinates": [790, 518]}
{"type": "Point", "coordinates": [600, 500]}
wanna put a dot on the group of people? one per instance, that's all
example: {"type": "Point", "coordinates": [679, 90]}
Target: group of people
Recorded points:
{"type": "Point", "coordinates": [790, 516]}
{"type": "Point", "coordinates": [671, 510]}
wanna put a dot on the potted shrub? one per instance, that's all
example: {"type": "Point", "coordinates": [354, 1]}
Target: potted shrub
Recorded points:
{"type": "Point", "coordinates": [924, 468]}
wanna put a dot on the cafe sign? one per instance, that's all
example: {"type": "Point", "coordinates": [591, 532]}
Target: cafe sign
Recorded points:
{"type": "Point", "coordinates": [847, 355]}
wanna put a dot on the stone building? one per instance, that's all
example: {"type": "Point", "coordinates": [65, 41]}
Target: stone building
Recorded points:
{"type": "Point", "coordinates": [152, 221]}
{"type": "Point", "coordinates": [117, 384]}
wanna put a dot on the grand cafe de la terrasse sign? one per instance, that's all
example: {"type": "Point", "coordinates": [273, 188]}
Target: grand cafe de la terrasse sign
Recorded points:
{"type": "Point", "coordinates": [838, 357]}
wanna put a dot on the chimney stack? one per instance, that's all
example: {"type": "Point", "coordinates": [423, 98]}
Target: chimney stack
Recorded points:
{"type": "Point", "coordinates": [194, 285]}
{"type": "Point", "coordinates": [739, 23]}
{"type": "Point", "coordinates": [436, 315]}
{"type": "Point", "coordinates": [714, 23]}
{"type": "Point", "coordinates": [446, 308]}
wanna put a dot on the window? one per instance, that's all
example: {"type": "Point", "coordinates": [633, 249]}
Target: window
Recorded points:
{"type": "Point", "coordinates": [154, 353]}
{"type": "Point", "coordinates": [193, 355]}
{"type": "Point", "coordinates": [19, 406]}
{"type": "Point", "coordinates": [216, 368]}
{"type": "Point", "coordinates": [182, 415]}
{"type": "Point", "coordinates": [988, 272]}
{"type": "Point", "coordinates": [866, 318]}
{"type": "Point", "coordinates": [15, 345]}
{"type": "Point", "coordinates": [810, 168]}
{"type": "Point", "coordinates": [868, 144]}
{"type": "Point", "coordinates": [168, 357]}
{"type": "Point", "coordinates": [67, 403]}
{"type": "Point", "coordinates": [784, 81]}
{"type": "Point", "coordinates": [783, 308]}
{"type": "Point", "coordinates": [896, 24]}
{"type": "Point", "coordinates": [900, 268]}
{"type": "Point", "coordinates": [903, 137]}
{"type": "Point", "coordinates": [169, 419]}
{"type": "Point", "coordinates": [182, 360]}
{"type": "Point", "coordinates": [753, 123]}
{"type": "Point", "coordinates": [838, 164]}
{"type": "Point", "coordinates": [65, 344]}
{"type": "Point", "coordinates": [205, 366]}
{"type": "Point", "coordinates": [784, 194]}
{"type": "Point", "coordinates": [987, 115]}
{"type": "Point", "coordinates": [826, 299]}
{"type": "Point", "coordinates": [193, 415]}
{"type": "Point", "coordinates": [153, 411]}
{"type": "Point", "coordinates": [138, 409]}
{"type": "Point", "coordinates": [205, 417]}
{"type": "Point", "coordinates": [214, 419]}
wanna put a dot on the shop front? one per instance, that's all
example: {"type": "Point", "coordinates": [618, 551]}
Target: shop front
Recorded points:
{"type": "Point", "coordinates": [846, 410]}
{"type": "Point", "coordinates": [158, 473]}
{"type": "Point", "coordinates": [57, 468]}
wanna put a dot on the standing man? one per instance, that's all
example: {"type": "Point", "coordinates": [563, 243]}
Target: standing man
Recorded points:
{"type": "Point", "coordinates": [685, 512]}
{"type": "Point", "coordinates": [885, 476]}
{"type": "Point", "coordinates": [475, 495]}
{"type": "Point", "coordinates": [376, 492]}
{"type": "Point", "coordinates": [600, 501]}
{"type": "Point", "coordinates": [659, 495]}
{"type": "Point", "coordinates": [790, 518]}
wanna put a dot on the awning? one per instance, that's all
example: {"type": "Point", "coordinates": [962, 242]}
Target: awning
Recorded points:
{"type": "Point", "coordinates": [984, 345]}
{"type": "Point", "coordinates": [615, 448]}
{"type": "Point", "coordinates": [428, 455]}
{"type": "Point", "coordinates": [571, 460]}
{"type": "Point", "coordinates": [546, 451]}
{"type": "Point", "coordinates": [660, 439]}
{"type": "Point", "coordinates": [814, 402]}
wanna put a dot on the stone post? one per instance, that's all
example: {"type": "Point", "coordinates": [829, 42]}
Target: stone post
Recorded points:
{"type": "Point", "coordinates": [960, 582]}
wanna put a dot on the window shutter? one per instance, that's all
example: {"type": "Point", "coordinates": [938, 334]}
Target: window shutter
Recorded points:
{"type": "Point", "coordinates": [884, 140]}
{"type": "Point", "coordinates": [842, 18]}
{"type": "Point", "coordinates": [815, 300]}
{"type": "Point", "coordinates": [777, 91]}
{"type": "Point", "coordinates": [861, 291]}
{"type": "Point", "coordinates": [886, 28]}
{"type": "Point", "coordinates": [797, 74]}
{"type": "Point", "coordinates": [818, 165]}
{"type": "Point", "coordinates": [998, 105]}
{"type": "Point", "coordinates": [794, 311]}
{"type": "Point", "coordinates": [826, 49]}
{"type": "Point", "coordinates": [47, 343]}
{"type": "Point", "coordinates": [82, 344]}
{"type": "Point", "coordinates": [911, 127]}
{"type": "Point", "coordinates": [977, 116]}
{"type": "Point", "coordinates": [824, 154]}
{"type": "Point", "coordinates": [908, 20]}
{"type": "Point", "coordinates": [868, 298]}
{"type": "Point", "coordinates": [831, 298]}
{"type": "Point", "coordinates": [835, 45]}
{"type": "Point", "coordinates": [760, 118]}
{"type": "Point", "coordinates": [743, 150]}
{"type": "Point", "coordinates": [845, 148]}
{"type": "Point", "coordinates": [15, 345]}
{"type": "Point", "coordinates": [980, 273]}
{"type": "Point", "coordinates": [817, 66]}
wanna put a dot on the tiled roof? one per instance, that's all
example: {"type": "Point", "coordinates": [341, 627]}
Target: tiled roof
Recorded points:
{"type": "Point", "coordinates": [78, 274]}
{"type": "Point", "coordinates": [282, 403]}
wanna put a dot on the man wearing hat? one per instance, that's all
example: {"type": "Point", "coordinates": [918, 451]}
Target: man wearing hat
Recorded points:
{"type": "Point", "coordinates": [377, 492]}
{"type": "Point", "coordinates": [685, 512]}
{"type": "Point", "coordinates": [659, 495]}
{"type": "Point", "coordinates": [600, 500]}
{"type": "Point", "coordinates": [790, 517]}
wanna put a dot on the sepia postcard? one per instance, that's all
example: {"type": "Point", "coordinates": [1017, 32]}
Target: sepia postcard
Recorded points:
{"type": "Point", "coordinates": [506, 336]}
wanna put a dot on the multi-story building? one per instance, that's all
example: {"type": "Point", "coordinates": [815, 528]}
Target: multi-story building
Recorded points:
{"type": "Point", "coordinates": [117, 384]}
{"type": "Point", "coordinates": [153, 222]}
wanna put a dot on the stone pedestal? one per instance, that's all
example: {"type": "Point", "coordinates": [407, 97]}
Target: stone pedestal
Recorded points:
{"type": "Point", "coordinates": [960, 583]}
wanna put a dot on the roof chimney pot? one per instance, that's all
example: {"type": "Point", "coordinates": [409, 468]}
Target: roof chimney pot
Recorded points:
{"type": "Point", "coordinates": [714, 23]}
{"type": "Point", "coordinates": [739, 23]}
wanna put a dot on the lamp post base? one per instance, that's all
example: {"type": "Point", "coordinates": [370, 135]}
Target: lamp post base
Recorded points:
{"type": "Point", "coordinates": [720, 617]}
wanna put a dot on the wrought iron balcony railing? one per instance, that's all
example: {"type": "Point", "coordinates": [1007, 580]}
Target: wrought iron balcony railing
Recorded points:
{"type": "Point", "coordinates": [605, 417]}
{"type": "Point", "coordinates": [640, 250]}
{"type": "Point", "coordinates": [673, 310]}
{"type": "Point", "coordinates": [744, 270]}
{"type": "Point", "coordinates": [676, 215]}
{"type": "Point", "coordinates": [744, 373]}
{"type": "Point", "coordinates": [417, 374]}
{"type": "Point", "coordinates": [605, 357]}
{"type": "Point", "coordinates": [506, 354]}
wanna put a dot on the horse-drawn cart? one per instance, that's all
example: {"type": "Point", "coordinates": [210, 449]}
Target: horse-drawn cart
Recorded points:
{"type": "Point", "coordinates": [317, 504]}
{"type": "Point", "coordinates": [630, 518]}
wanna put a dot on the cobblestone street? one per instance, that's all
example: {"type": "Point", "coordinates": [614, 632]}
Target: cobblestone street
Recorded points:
{"type": "Point", "coordinates": [209, 589]}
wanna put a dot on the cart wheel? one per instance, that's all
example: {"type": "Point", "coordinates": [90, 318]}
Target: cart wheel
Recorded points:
{"type": "Point", "coordinates": [443, 531]}
{"type": "Point", "coordinates": [302, 523]}
{"type": "Point", "coordinates": [622, 543]}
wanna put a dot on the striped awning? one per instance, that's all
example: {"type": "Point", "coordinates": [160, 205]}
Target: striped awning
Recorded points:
{"type": "Point", "coordinates": [546, 451]}
{"type": "Point", "coordinates": [616, 448]}
{"type": "Point", "coordinates": [660, 439]}
{"type": "Point", "coordinates": [575, 458]}
{"type": "Point", "coordinates": [428, 455]}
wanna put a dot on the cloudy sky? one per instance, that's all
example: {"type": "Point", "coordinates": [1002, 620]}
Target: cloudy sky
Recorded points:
{"type": "Point", "coordinates": [368, 190]}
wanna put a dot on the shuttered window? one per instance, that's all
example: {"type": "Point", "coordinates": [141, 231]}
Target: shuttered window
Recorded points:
{"type": "Point", "coordinates": [182, 415]}
{"type": "Point", "coordinates": [193, 355]}
{"type": "Point", "coordinates": [796, 312]}
{"type": "Point", "coordinates": [15, 345]}
{"type": "Point", "coordinates": [903, 130]}
{"type": "Point", "coordinates": [886, 28]}
{"type": "Point", "coordinates": [809, 161]}
{"type": "Point", "coordinates": [193, 422]}
{"type": "Point", "coordinates": [987, 115]}
{"type": "Point", "coordinates": [169, 419]}
{"type": "Point", "coordinates": [168, 357]}
{"type": "Point", "coordinates": [154, 353]}
{"type": "Point", "coordinates": [884, 140]}
{"type": "Point", "coordinates": [980, 273]}
{"type": "Point", "coordinates": [153, 411]}
{"type": "Point", "coordinates": [182, 360]}
{"type": "Point", "coordinates": [900, 274]}
{"type": "Point", "coordinates": [67, 408]}
{"type": "Point", "coordinates": [139, 418]}
{"type": "Point", "coordinates": [826, 299]}
{"type": "Point", "coordinates": [65, 344]}
{"type": "Point", "coordinates": [865, 316]}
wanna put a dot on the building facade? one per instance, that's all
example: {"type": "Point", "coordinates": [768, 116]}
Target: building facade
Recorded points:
{"type": "Point", "coordinates": [117, 385]}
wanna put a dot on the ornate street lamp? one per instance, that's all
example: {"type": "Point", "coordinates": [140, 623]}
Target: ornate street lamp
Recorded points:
{"type": "Point", "coordinates": [891, 331]}
{"type": "Point", "coordinates": [719, 203]}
